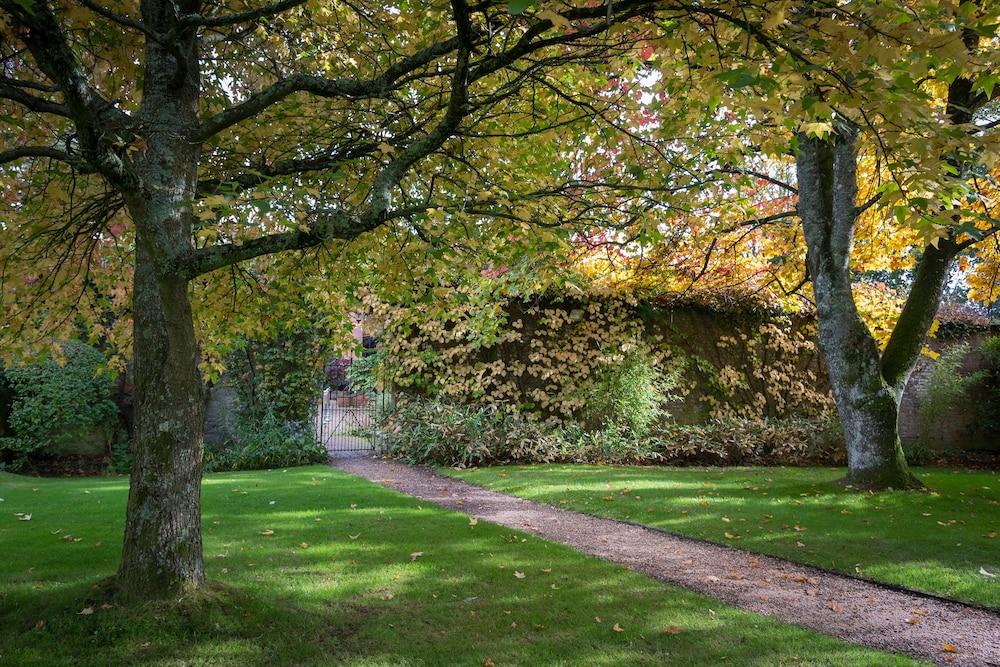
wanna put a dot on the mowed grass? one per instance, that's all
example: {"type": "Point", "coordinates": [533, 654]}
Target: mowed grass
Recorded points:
{"type": "Point", "coordinates": [354, 574]}
{"type": "Point", "coordinates": [934, 541]}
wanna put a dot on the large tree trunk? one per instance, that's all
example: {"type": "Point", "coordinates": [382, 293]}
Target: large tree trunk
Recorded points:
{"type": "Point", "coordinates": [867, 404]}
{"type": "Point", "coordinates": [162, 554]}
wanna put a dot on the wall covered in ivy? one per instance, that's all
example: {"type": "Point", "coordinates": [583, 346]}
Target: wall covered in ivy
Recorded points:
{"type": "Point", "coordinates": [547, 356]}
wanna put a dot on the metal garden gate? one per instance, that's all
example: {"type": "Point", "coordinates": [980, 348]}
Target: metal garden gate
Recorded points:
{"type": "Point", "coordinates": [347, 418]}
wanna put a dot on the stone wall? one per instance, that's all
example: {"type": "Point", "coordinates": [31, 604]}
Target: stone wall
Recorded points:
{"type": "Point", "coordinates": [220, 412]}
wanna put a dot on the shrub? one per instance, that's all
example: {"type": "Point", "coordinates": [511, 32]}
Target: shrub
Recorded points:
{"type": "Point", "coordinates": [945, 391]}
{"type": "Point", "coordinates": [266, 443]}
{"type": "Point", "coordinates": [363, 374]}
{"type": "Point", "coordinates": [630, 393]}
{"type": "Point", "coordinates": [284, 375]}
{"type": "Point", "coordinates": [462, 435]}
{"type": "Point", "coordinates": [988, 410]}
{"type": "Point", "coordinates": [59, 408]}
{"type": "Point", "coordinates": [744, 441]}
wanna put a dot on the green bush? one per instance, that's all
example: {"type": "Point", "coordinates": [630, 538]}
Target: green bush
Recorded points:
{"type": "Point", "coordinates": [988, 410]}
{"type": "Point", "coordinates": [283, 376]}
{"type": "Point", "coordinates": [266, 443]}
{"type": "Point", "coordinates": [59, 408]}
{"type": "Point", "coordinates": [364, 373]}
{"type": "Point", "coordinates": [433, 431]}
{"type": "Point", "coordinates": [121, 457]}
{"type": "Point", "coordinates": [743, 441]}
{"type": "Point", "coordinates": [629, 394]}
{"type": "Point", "coordinates": [946, 390]}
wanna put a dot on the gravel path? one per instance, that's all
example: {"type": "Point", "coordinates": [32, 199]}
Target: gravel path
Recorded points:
{"type": "Point", "coordinates": [857, 611]}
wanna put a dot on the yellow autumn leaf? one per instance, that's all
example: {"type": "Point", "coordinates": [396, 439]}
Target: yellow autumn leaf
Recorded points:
{"type": "Point", "coordinates": [820, 130]}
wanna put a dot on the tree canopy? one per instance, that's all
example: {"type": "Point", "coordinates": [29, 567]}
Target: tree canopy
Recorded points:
{"type": "Point", "coordinates": [176, 174]}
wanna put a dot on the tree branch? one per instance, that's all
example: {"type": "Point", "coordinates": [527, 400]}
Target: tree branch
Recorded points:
{"type": "Point", "coordinates": [96, 118]}
{"type": "Point", "coordinates": [329, 225]}
{"type": "Point", "coordinates": [21, 152]}
{"type": "Point", "coordinates": [121, 20]}
{"type": "Point", "coordinates": [918, 312]}
{"type": "Point", "coordinates": [197, 20]}
{"type": "Point", "coordinates": [32, 102]}
{"type": "Point", "coordinates": [340, 224]}
{"type": "Point", "coordinates": [355, 89]}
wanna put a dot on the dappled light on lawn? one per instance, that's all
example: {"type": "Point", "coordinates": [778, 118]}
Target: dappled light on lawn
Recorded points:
{"type": "Point", "coordinates": [313, 567]}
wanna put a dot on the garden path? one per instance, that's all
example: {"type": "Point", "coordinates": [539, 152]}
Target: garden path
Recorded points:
{"type": "Point", "coordinates": [862, 612]}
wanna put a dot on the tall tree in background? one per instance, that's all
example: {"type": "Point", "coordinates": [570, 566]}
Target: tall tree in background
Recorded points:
{"type": "Point", "coordinates": [817, 85]}
{"type": "Point", "coordinates": [170, 139]}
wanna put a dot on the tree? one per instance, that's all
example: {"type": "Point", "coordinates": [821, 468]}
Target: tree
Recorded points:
{"type": "Point", "coordinates": [868, 382]}
{"type": "Point", "coordinates": [897, 88]}
{"type": "Point", "coordinates": [169, 140]}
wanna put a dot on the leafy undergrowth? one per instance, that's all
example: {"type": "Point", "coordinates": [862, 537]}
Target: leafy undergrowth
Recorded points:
{"type": "Point", "coordinates": [943, 541]}
{"type": "Point", "coordinates": [313, 567]}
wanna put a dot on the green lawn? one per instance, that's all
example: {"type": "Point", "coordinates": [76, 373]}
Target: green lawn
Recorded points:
{"type": "Point", "coordinates": [934, 541]}
{"type": "Point", "coordinates": [354, 575]}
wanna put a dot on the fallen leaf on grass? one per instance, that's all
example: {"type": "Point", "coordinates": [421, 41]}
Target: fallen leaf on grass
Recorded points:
{"type": "Point", "coordinates": [986, 573]}
{"type": "Point", "coordinates": [949, 648]}
{"type": "Point", "coordinates": [21, 516]}
{"type": "Point", "coordinates": [617, 628]}
{"type": "Point", "coordinates": [519, 575]}
{"type": "Point", "coordinates": [267, 533]}
{"type": "Point", "coordinates": [597, 619]}
{"type": "Point", "coordinates": [672, 630]}
{"type": "Point", "coordinates": [415, 555]}
{"type": "Point", "coordinates": [473, 521]}
{"type": "Point", "coordinates": [86, 611]}
{"type": "Point", "coordinates": [354, 537]}
{"type": "Point", "coordinates": [488, 663]}
{"type": "Point", "coordinates": [39, 624]}
{"type": "Point", "coordinates": [303, 545]}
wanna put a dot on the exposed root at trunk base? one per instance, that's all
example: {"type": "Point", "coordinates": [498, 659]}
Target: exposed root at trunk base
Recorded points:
{"type": "Point", "coordinates": [895, 480]}
{"type": "Point", "coordinates": [188, 594]}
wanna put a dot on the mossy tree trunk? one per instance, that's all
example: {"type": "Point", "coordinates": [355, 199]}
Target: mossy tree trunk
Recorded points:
{"type": "Point", "coordinates": [866, 401]}
{"type": "Point", "coordinates": [162, 551]}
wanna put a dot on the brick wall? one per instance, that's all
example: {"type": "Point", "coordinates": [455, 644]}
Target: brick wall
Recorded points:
{"type": "Point", "coordinates": [955, 429]}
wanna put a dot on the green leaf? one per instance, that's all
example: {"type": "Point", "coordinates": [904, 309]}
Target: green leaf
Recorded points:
{"type": "Point", "coordinates": [518, 6]}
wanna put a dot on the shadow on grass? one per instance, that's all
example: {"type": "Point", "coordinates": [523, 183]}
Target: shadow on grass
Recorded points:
{"type": "Point", "coordinates": [354, 574]}
{"type": "Point", "coordinates": [935, 540]}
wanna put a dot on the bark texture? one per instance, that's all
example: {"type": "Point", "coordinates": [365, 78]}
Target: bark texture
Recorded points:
{"type": "Point", "coordinates": [162, 554]}
{"type": "Point", "coordinates": [868, 405]}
